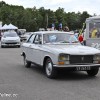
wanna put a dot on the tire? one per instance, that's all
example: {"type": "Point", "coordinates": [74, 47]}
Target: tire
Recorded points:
{"type": "Point", "coordinates": [27, 64]}
{"type": "Point", "coordinates": [93, 72]}
{"type": "Point", "coordinates": [50, 71]}
{"type": "Point", "coordinates": [2, 46]}
{"type": "Point", "coordinates": [18, 46]}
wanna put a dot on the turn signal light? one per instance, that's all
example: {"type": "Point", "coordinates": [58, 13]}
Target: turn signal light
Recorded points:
{"type": "Point", "coordinates": [61, 63]}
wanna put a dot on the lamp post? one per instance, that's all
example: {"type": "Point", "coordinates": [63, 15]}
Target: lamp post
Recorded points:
{"type": "Point", "coordinates": [46, 21]}
{"type": "Point", "coordinates": [36, 25]}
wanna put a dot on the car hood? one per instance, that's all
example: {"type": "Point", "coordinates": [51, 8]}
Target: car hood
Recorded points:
{"type": "Point", "coordinates": [72, 49]}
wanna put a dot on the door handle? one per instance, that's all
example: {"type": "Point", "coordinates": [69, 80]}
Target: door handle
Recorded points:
{"type": "Point", "coordinates": [39, 46]}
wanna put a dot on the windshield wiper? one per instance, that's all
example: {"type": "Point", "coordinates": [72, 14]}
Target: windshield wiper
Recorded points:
{"type": "Point", "coordinates": [74, 42]}
{"type": "Point", "coordinates": [64, 42]}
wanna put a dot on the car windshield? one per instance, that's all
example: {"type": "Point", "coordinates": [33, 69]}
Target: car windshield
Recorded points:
{"type": "Point", "coordinates": [59, 38]}
{"type": "Point", "coordinates": [8, 34]}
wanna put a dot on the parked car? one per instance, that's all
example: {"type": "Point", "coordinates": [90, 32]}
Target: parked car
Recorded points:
{"type": "Point", "coordinates": [10, 38]}
{"type": "Point", "coordinates": [26, 36]}
{"type": "Point", "coordinates": [22, 37]}
{"type": "Point", "coordinates": [54, 49]}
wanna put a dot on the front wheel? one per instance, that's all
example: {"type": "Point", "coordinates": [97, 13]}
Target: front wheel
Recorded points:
{"type": "Point", "coordinates": [2, 46]}
{"type": "Point", "coordinates": [50, 71]}
{"type": "Point", "coordinates": [27, 64]}
{"type": "Point", "coordinates": [93, 72]}
{"type": "Point", "coordinates": [18, 46]}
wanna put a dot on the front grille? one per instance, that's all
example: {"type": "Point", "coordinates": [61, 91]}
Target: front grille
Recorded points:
{"type": "Point", "coordinates": [12, 43]}
{"type": "Point", "coordinates": [81, 59]}
{"type": "Point", "coordinates": [10, 40]}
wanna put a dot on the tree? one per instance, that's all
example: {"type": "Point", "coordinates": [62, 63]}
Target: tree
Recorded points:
{"type": "Point", "coordinates": [32, 18]}
{"type": "Point", "coordinates": [83, 17]}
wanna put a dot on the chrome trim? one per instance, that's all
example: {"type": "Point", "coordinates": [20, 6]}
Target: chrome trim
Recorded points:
{"type": "Point", "coordinates": [90, 65]}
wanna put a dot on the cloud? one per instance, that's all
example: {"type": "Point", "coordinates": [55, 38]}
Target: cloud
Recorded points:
{"type": "Point", "coordinates": [91, 6]}
{"type": "Point", "coordinates": [55, 2]}
{"type": "Point", "coordinates": [13, 2]}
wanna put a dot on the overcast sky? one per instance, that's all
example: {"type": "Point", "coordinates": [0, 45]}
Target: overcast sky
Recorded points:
{"type": "Point", "coordinates": [91, 6]}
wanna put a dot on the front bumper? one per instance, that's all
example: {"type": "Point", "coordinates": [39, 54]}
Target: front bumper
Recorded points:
{"type": "Point", "coordinates": [77, 65]}
{"type": "Point", "coordinates": [11, 44]}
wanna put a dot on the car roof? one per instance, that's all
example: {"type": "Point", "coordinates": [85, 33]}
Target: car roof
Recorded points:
{"type": "Point", "coordinates": [47, 32]}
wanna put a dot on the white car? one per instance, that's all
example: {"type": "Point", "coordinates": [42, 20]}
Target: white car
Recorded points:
{"type": "Point", "coordinates": [26, 36]}
{"type": "Point", "coordinates": [54, 49]}
{"type": "Point", "coordinates": [10, 38]}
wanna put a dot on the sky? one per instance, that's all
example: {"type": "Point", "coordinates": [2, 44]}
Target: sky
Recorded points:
{"type": "Point", "coordinates": [91, 6]}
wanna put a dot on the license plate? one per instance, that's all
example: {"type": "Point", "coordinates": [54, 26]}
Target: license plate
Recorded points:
{"type": "Point", "coordinates": [11, 44]}
{"type": "Point", "coordinates": [83, 68]}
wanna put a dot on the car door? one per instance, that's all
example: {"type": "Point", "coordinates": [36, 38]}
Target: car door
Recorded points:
{"type": "Point", "coordinates": [36, 49]}
{"type": "Point", "coordinates": [29, 47]}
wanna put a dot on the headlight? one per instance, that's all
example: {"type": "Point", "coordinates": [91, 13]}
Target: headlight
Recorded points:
{"type": "Point", "coordinates": [3, 40]}
{"type": "Point", "coordinates": [63, 59]}
{"type": "Point", "coordinates": [96, 59]}
{"type": "Point", "coordinates": [18, 40]}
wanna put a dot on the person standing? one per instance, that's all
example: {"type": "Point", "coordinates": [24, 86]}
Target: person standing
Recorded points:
{"type": "Point", "coordinates": [94, 33]}
{"type": "Point", "coordinates": [60, 27]}
{"type": "Point", "coordinates": [80, 38]}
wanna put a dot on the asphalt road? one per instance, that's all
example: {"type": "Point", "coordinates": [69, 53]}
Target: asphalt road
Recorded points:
{"type": "Point", "coordinates": [20, 83]}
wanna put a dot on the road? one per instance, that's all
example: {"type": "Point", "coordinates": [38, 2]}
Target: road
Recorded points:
{"type": "Point", "coordinates": [20, 83]}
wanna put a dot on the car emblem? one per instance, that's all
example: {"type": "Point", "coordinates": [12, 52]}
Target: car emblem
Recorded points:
{"type": "Point", "coordinates": [82, 58]}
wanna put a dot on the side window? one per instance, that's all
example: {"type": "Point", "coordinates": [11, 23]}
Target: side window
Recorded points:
{"type": "Point", "coordinates": [31, 39]}
{"type": "Point", "coordinates": [38, 39]}
{"type": "Point", "coordinates": [94, 30]}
